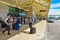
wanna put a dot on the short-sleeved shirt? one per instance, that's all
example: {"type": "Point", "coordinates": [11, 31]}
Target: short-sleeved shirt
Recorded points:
{"type": "Point", "coordinates": [7, 21]}
{"type": "Point", "coordinates": [30, 20]}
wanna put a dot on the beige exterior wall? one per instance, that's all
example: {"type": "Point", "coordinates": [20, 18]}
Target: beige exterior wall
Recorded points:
{"type": "Point", "coordinates": [3, 11]}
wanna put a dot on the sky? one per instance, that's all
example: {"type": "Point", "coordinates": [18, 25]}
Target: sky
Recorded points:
{"type": "Point", "coordinates": [55, 7]}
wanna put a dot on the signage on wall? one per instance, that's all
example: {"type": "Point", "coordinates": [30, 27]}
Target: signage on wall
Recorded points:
{"type": "Point", "coordinates": [43, 10]}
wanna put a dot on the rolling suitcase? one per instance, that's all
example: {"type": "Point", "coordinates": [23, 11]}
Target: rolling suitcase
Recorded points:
{"type": "Point", "coordinates": [33, 30]}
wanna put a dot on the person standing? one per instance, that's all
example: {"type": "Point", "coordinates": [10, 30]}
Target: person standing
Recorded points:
{"type": "Point", "coordinates": [14, 23]}
{"type": "Point", "coordinates": [30, 23]}
{"type": "Point", "coordinates": [24, 20]}
{"type": "Point", "coordinates": [21, 20]}
{"type": "Point", "coordinates": [0, 24]}
{"type": "Point", "coordinates": [11, 22]}
{"type": "Point", "coordinates": [7, 21]}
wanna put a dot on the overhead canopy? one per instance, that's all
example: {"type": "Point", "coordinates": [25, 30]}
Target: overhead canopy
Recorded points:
{"type": "Point", "coordinates": [27, 5]}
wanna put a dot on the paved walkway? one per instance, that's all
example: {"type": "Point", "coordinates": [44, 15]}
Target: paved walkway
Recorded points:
{"type": "Point", "coordinates": [40, 31]}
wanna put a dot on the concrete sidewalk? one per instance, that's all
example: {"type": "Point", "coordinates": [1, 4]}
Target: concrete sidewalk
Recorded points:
{"type": "Point", "coordinates": [40, 31]}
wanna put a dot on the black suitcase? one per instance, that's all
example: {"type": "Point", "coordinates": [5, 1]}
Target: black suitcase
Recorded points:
{"type": "Point", "coordinates": [33, 30]}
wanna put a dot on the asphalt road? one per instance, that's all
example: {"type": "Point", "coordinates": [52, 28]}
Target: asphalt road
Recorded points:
{"type": "Point", "coordinates": [53, 31]}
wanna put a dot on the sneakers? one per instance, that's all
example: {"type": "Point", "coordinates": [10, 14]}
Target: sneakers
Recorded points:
{"type": "Point", "coordinates": [9, 34]}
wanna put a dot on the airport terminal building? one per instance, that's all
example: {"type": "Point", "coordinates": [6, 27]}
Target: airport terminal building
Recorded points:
{"type": "Point", "coordinates": [38, 7]}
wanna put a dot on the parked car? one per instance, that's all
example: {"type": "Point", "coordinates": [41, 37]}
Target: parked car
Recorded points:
{"type": "Point", "coordinates": [50, 20]}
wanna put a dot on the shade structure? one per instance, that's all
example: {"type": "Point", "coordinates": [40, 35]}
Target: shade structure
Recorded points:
{"type": "Point", "coordinates": [40, 7]}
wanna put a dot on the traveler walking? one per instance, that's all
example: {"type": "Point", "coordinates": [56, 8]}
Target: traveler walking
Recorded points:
{"type": "Point", "coordinates": [7, 21]}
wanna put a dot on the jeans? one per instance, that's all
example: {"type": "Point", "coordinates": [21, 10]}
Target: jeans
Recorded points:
{"type": "Point", "coordinates": [30, 25]}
